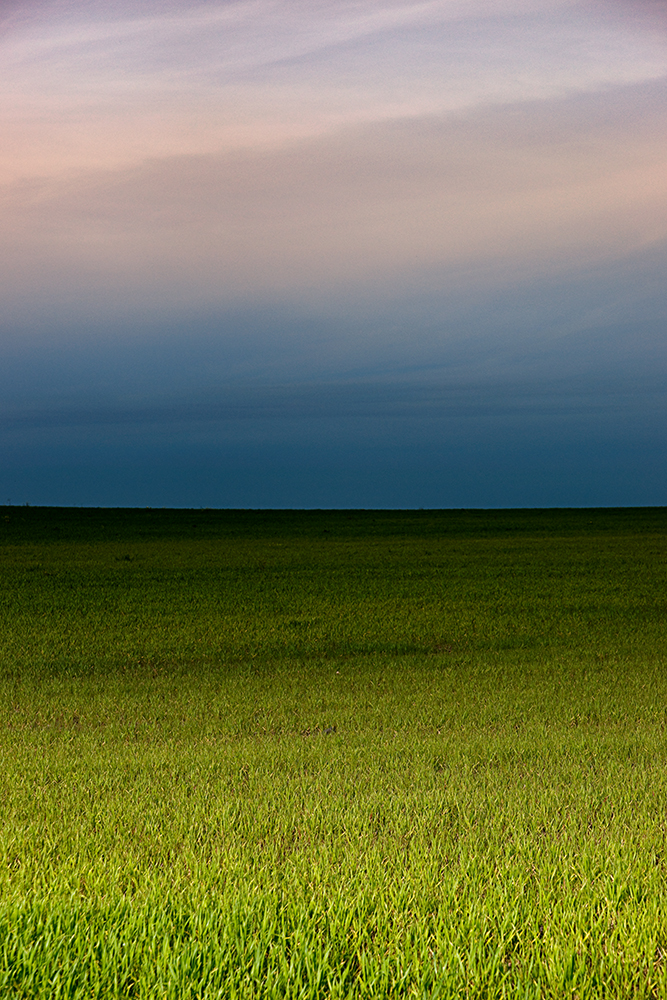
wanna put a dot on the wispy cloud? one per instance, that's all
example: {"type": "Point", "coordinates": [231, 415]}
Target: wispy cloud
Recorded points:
{"type": "Point", "coordinates": [386, 208]}
{"type": "Point", "coordinates": [87, 86]}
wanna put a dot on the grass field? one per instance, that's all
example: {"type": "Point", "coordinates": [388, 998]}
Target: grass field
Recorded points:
{"type": "Point", "coordinates": [333, 754]}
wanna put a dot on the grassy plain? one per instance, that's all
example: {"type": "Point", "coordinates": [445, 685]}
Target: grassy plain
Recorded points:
{"type": "Point", "coordinates": [333, 754]}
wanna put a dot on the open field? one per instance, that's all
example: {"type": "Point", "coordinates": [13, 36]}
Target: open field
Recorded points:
{"type": "Point", "coordinates": [333, 754]}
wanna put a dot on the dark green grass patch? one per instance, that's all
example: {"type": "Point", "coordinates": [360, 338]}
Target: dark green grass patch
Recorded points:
{"type": "Point", "coordinates": [237, 596]}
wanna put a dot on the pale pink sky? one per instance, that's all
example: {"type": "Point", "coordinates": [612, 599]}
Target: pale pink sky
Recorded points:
{"type": "Point", "coordinates": [222, 151]}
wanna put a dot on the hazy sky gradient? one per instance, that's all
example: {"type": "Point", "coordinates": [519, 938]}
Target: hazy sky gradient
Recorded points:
{"type": "Point", "coordinates": [342, 254]}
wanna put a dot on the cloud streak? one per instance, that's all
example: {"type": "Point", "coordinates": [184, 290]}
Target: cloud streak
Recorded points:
{"type": "Point", "coordinates": [411, 204]}
{"type": "Point", "coordinates": [100, 87]}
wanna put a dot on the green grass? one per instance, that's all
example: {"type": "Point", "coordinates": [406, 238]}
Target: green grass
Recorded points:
{"type": "Point", "coordinates": [333, 754]}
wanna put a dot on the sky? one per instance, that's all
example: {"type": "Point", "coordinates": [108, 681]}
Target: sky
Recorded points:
{"type": "Point", "coordinates": [354, 253]}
